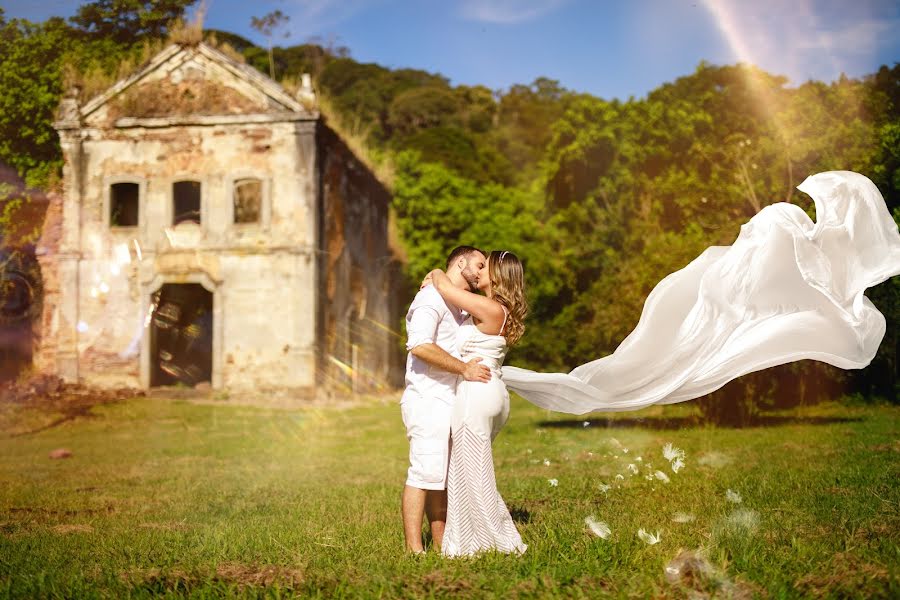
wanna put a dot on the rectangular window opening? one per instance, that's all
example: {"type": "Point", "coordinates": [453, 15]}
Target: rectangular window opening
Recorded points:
{"type": "Point", "coordinates": [186, 202]}
{"type": "Point", "coordinates": [247, 200]}
{"type": "Point", "coordinates": [123, 205]}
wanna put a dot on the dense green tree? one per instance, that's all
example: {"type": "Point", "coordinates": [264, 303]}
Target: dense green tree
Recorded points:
{"type": "Point", "coordinates": [363, 93]}
{"type": "Point", "coordinates": [237, 42]}
{"type": "Point", "coordinates": [127, 21]}
{"type": "Point", "coordinates": [525, 115]}
{"type": "Point", "coordinates": [31, 84]}
{"type": "Point", "coordinates": [438, 209]}
{"type": "Point", "coordinates": [423, 107]}
{"type": "Point", "coordinates": [477, 108]}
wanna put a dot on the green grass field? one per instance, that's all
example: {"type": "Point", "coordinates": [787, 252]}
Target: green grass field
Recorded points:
{"type": "Point", "coordinates": [172, 498]}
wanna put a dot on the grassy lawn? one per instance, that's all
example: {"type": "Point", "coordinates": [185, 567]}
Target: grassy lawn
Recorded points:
{"type": "Point", "coordinates": [169, 497]}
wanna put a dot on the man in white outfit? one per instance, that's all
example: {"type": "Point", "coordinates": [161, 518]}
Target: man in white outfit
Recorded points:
{"type": "Point", "coordinates": [432, 370]}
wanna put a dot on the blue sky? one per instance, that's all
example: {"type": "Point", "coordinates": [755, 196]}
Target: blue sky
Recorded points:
{"type": "Point", "coordinates": [609, 48]}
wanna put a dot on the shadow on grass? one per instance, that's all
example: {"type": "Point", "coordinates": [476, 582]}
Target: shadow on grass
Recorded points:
{"type": "Point", "coordinates": [668, 423]}
{"type": "Point", "coordinates": [54, 401]}
{"type": "Point", "coordinates": [520, 514]}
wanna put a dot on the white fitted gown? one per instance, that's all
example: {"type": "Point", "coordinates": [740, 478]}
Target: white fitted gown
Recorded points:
{"type": "Point", "coordinates": [477, 517]}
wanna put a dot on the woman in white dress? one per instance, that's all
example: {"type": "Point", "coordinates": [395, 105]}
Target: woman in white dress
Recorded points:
{"type": "Point", "coordinates": [787, 289]}
{"type": "Point", "coordinates": [477, 517]}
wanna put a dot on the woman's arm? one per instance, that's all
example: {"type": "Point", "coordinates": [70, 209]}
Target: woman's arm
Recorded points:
{"type": "Point", "coordinates": [488, 311]}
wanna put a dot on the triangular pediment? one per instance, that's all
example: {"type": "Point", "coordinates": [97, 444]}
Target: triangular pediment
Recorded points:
{"type": "Point", "coordinates": [190, 81]}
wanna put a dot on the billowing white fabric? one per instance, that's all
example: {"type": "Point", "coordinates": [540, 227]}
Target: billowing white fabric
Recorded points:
{"type": "Point", "coordinates": [787, 289]}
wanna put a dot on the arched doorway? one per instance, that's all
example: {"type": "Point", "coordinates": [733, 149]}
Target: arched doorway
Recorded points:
{"type": "Point", "coordinates": [181, 335]}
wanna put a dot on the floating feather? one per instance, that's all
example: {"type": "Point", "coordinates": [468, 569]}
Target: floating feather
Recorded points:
{"type": "Point", "coordinates": [598, 528]}
{"type": "Point", "coordinates": [649, 538]}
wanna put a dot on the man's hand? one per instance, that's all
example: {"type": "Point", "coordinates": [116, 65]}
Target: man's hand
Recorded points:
{"type": "Point", "coordinates": [436, 356]}
{"type": "Point", "coordinates": [429, 279]}
{"type": "Point", "coordinates": [476, 372]}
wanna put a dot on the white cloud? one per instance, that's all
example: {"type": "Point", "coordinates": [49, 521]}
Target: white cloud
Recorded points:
{"type": "Point", "coordinates": [507, 12]}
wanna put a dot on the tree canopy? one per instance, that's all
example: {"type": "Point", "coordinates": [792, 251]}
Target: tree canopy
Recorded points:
{"type": "Point", "coordinates": [125, 21]}
{"type": "Point", "coordinates": [602, 198]}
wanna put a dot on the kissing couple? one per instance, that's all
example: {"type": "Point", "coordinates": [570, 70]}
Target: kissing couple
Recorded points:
{"type": "Point", "coordinates": [787, 289]}
{"type": "Point", "coordinates": [459, 327]}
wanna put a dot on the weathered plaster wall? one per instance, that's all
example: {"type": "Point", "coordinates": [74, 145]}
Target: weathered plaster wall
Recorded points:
{"type": "Point", "coordinates": [264, 273]}
{"type": "Point", "coordinates": [360, 288]}
{"type": "Point", "coordinates": [278, 320]}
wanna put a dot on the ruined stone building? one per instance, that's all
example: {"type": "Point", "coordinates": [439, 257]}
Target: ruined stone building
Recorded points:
{"type": "Point", "coordinates": [212, 228]}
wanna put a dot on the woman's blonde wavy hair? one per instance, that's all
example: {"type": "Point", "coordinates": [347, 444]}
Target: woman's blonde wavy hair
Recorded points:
{"type": "Point", "coordinates": [508, 288]}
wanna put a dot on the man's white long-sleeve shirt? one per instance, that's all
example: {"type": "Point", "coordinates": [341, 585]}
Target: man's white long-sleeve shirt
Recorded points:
{"type": "Point", "coordinates": [430, 320]}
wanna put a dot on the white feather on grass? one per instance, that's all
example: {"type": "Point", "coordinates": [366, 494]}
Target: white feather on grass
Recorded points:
{"type": "Point", "coordinates": [598, 528]}
{"type": "Point", "coordinates": [603, 487]}
{"type": "Point", "coordinates": [546, 462]}
{"type": "Point", "coordinates": [648, 537]}
{"type": "Point", "coordinates": [671, 453]}
{"type": "Point", "coordinates": [733, 496]}
{"type": "Point", "coordinates": [681, 517]}
{"type": "Point", "coordinates": [677, 465]}
{"type": "Point", "coordinates": [620, 476]}
{"type": "Point", "coordinates": [661, 476]}
{"type": "Point", "coordinates": [633, 468]}
{"type": "Point", "coordinates": [553, 482]}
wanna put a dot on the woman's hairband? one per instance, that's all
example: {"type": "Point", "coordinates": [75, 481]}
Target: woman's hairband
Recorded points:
{"type": "Point", "coordinates": [502, 254]}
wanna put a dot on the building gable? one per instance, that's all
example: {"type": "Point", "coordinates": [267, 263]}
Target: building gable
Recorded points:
{"type": "Point", "coordinates": [185, 81]}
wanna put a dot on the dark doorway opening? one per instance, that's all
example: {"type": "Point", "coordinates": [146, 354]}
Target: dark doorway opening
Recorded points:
{"type": "Point", "coordinates": [181, 335]}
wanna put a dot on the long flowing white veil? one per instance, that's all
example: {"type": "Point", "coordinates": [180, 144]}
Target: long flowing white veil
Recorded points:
{"type": "Point", "coordinates": [787, 289]}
